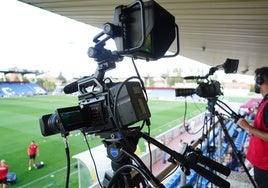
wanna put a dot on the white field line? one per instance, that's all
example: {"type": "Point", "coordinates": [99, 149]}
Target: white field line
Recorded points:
{"type": "Point", "coordinates": [43, 177]}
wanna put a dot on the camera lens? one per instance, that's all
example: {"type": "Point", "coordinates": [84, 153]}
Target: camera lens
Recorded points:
{"type": "Point", "coordinates": [49, 124]}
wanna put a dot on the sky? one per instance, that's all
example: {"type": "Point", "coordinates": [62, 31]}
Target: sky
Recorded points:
{"type": "Point", "coordinates": [35, 39]}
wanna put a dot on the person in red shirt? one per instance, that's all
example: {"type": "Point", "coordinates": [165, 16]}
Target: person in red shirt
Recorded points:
{"type": "Point", "coordinates": [32, 152]}
{"type": "Point", "coordinates": [258, 145]}
{"type": "Point", "coordinates": [3, 174]}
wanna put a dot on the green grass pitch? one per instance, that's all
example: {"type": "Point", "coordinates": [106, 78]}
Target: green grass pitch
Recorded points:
{"type": "Point", "coordinates": [20, 124]}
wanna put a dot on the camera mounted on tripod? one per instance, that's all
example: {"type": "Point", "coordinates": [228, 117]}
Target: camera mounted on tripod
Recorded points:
{"type": "Point", "coordinates": [208, 88]}
{"type": "Point", "coordinates": [141, 30]}
{"type": "Point", "coordinates": [110, 110]}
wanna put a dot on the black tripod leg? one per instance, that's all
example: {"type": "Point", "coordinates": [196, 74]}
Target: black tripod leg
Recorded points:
{"type": "Point", "coordinates": [235, 149]}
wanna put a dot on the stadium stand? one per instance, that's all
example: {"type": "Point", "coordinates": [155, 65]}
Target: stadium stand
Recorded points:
{"type": "Point", "coordinates": [19, 87]}
{"type": "Point", "coordinates": [239, 138]}
{"type": "Point", "coordinates": [9, 89]}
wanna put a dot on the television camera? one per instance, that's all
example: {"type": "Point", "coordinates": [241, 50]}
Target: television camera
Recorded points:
{"type": "Point", "coordinates": [211, 89]}
{"type": "Point", "coordinates": [208, 88]}
{"type": "Point", "coordinates": [139, 31]}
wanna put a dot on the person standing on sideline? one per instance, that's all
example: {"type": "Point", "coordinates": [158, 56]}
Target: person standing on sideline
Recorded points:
{"type": "Point", "coordinates": [257, 152]}
{"type": "Point", "coordinates": [3, 174]}
{"type": "Point", "coordinates": [32, 152]}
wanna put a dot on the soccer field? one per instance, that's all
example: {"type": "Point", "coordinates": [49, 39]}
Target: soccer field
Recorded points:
{"type": "Point", "coordinates": [20, 124]}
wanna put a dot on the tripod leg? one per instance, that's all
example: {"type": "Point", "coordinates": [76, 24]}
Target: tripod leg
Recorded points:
{"type": "Point", "coordinates": [235, 150]}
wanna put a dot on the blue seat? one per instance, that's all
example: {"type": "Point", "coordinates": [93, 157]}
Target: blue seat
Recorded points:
{"type": "Point", "coordinates": [174, 181]}
{"type": "Point", "coordinates": [240, 140]}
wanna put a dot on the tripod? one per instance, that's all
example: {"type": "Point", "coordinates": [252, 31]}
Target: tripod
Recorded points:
{"type": "Point", "coordinates": [209, 125]}
{"type": "Point", "coordinates": [120, 150]}
{"type": "Point", "coordinates": [209, 132]}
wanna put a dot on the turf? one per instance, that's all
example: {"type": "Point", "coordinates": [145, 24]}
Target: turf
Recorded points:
{"type": "Point", "coordinates": [20, 124]}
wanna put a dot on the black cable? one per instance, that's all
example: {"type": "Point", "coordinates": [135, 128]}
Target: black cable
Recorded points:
{"type": "Point", "coordinates": [142, 125]}
{"type": "Point", "coordinates": [67, 151]}
{"type": "Point", "coordinates": [184, 115]}
{"type": "Point", "coordinates": [118, 172]}
{"type": "Point", "coordinates": [116, 119]}
{"type": "Point", "coordinates": [94, 163]}
{"type": "Point", "coordinates": [141, 81]}
{"type": "Point", "coordinates": [170, 173]}
{"type": "Point", "coordinates": [148, 174]}
{"type": "Point", "coordinates": [115, 116]}
{"type": "Point", "coordinates": [184, 120]}
{"type": "Point", "coordinates": [150, 151]}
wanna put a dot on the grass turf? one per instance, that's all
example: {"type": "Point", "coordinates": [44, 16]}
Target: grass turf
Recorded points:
{"type": "Point", "coordinates": [19, 125]}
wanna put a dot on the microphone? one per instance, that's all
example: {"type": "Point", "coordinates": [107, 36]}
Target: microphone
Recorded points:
{"type": "Point", "coordinates": [195, 77]}
{"type": "Point", "coordinates": [71, 88]}
{"type": "Point", "coordinates": [190, 77]}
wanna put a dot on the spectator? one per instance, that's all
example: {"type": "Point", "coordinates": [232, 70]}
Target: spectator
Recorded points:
{"type": "Point", "coordinates": [257, 153]}
{"type": "Point", "coordinates": [32, 152]}
{"type": "Point", "coordinates": [3, 173]}
{"type": "Point", "coordinates": [231, 162]}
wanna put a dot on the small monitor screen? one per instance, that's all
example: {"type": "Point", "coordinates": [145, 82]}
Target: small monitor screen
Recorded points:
{"type": "Point", "coordinates": [71, 117]}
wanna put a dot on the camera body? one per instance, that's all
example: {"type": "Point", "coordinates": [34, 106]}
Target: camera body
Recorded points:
{"type": "Point", "coordinates": [208, 90]}
{"type": "Point", "coordinates": [204, 89]}
{"type": "Point", "coordinates": [122, 105]}
{"type": "Point", "coordinates": [91, 117]}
